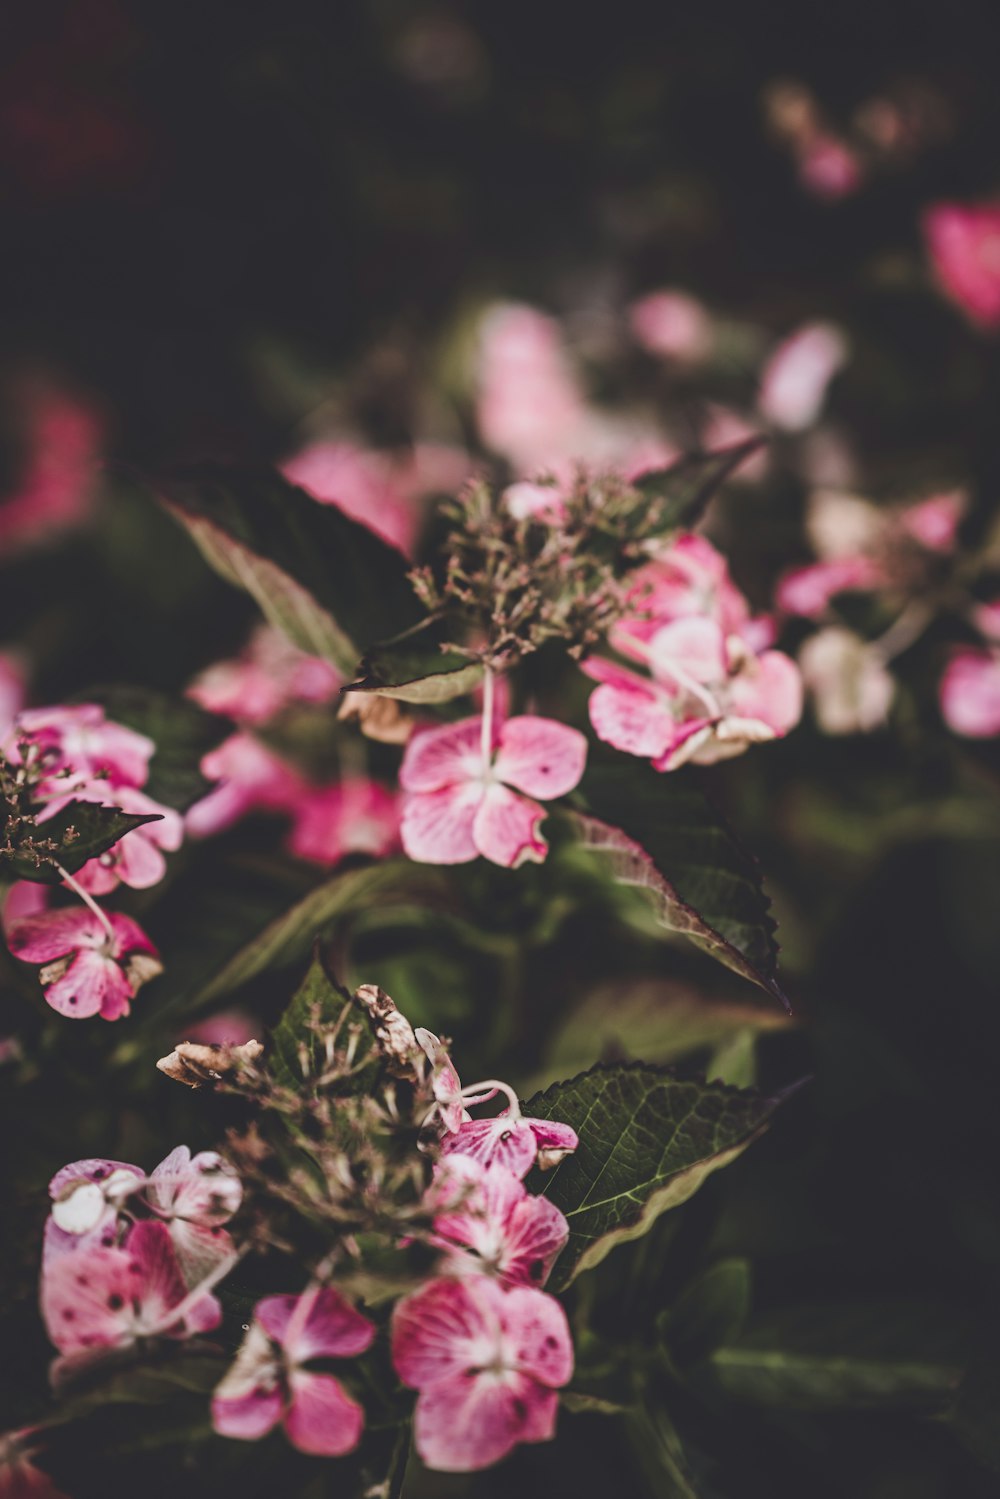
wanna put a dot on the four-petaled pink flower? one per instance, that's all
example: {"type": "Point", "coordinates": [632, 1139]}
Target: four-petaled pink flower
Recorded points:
{"type": "Point", "coordinates": [488, 1221]}
{"type": "Point", "coordinates": [487, 1364]}
{"type": "Point", "coordinates": [964, 245]}
{"type": "Point", "coordinates": [112, 1297]}
{"type": "Point", "coordinates": [82, 741]}
{"type": "Point", "coordinates": [87, 969]}
{"type": "Point", "coordinates": [269, 1381]}
{"type": "Point", "coordinates": [513, 1143]}
{"type": "Point", "coordinates": [196, 1195]}
{"type": "Point", "coordinates": [708, 697]}
{"type": "Point", "coordinates": [460, 800]}
{"type": "Point", "coordinates": [354, 816]}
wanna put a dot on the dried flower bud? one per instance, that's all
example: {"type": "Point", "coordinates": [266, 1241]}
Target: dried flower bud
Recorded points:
{"type": "Point", "coordinates": [199, 1065]}
{"type": "Point", "coordinates": [380, 718]}
{"type": "Point", "coordinates": [393, 1032]}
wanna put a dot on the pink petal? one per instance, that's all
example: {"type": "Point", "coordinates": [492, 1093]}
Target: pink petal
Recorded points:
{"type": "Point", "coordinates": [551, 1135]}
{"type": "Point", "coordinates": [150, 1247]}
{"type": "Point", "coordinates": [91, 985]}
{"type": "Point", "coordinates": [535, 1233]}
{"type": "Point", "coordinates": [248, 1417]}
{"type": "Point", "coordinates": [970, 694]}
{"type": "Point", "coordinates": [439, 757]}
{"type": "Point", "coordinates": [87, 1299]}
{"type": "Point", "coordinates": [437, 826]}
{"type": "Point", "coordinates": [446, 1327]}
{"type": "Point", "coordinates": [537, 1336]}
{"type": "Point", "coordinates": [505, 828]}
{"type": "Point", "coordinates": [692, 649]}
{"type": "Point", "coordinates": [139, 862]}
{"type": "Point", "coordinates": [495, 1140]}
{"type": "Point", "coordinates": [199, 1249]}
{"type": "Point", "coordinates": [690, 739]}
{"type": "Point", "coordinates": [471, 1420]}
{"type": "Point", "coordinates": [632, 721]}
{"type": "Point", "coordinates": [322, 1418]}
{"type": "Point", "coordinates": [769, 690]}
{"type": "Point", "coordinates": [91, 1169]}
{"type": "Point", "coordinates": [540, 757]}
{"type": "Point", "coordinates": [53, 934]}
{"type": "Point", "coordinates": [795, 379]}
{"type": "Point", "coordinates": [599, 669]}
{"type": "Point", "coordinates": [331, 1328]}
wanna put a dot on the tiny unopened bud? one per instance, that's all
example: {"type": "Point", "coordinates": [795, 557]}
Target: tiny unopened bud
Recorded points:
{"type": "Point", "coordinates": [200, 1065]}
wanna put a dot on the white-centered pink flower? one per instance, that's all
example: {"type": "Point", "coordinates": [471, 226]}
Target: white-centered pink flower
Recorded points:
{"type": "Point", "coordinates": [514, 1142]}
{"type": "Point", "coordinates": [969, 693]}
{"type": "Point", "coordinates": [81, 741]}
{"type": "Point", "coordinates": [250, 777]}
{"type": "Point", "coordinates": [353, 816]}
{"type": "Point", "coordinates": [489, 1223]}
{"type": "Point", "coordinates": [87, 968]}
{"type": "Point", "coordinates": [465, 797]}
{"type": "Point", "coordinates": [963, 241]}
{"type": "Point", "coordinates": [851, 687]}
{"type": "Point", "coordinates": [796, 377]}
{"type": "Point", "coordinates": [105, 1297]}
{"type": "Point", "coordinates": [271, 1383]}
{"type": "Point", "coordinates": [707, 697]}
{"type": "Point", "coordinates": [487, 1364]}
{"type": "Point", "coordinates": [267, 676]}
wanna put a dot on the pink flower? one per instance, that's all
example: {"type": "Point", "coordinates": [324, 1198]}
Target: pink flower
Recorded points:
{"type": "Point", "coordinates": [808, 591]}
{"type": "Point", "coordinates": [87, 1199]}
{"type": "Point", "coordinates": [690, 578]}
{"type": "Point", "coordinates": [671, 324]}
{"type": "Point", "coordinates": [446, 1085]}
{"type": "Point", "coordinates": [795, 379]}
{"type": "Point", "coordinates": [987, 619]}
{"type": "Point", "coordinates": [829, 168]}
{"type": "Point", "coordinates": [513, 1143]}
{"type": "Point", "coordinates": [530, 406]}
{"type": "Point", "coordinates": [196, 1196]}
{"type": "Point", "coordinates": [225, 1028]}
{"type": "Point", "coordinates": [86, 971]}
{"type": "Point", "coordinates": [266, 677]}
{"type": "Point", "coordinates": [269, 1382]}
{"type": "Point", "coordinates": [851, 686]}
{"type": "Point", "coordinates": [137, 858]}
{"type": "Point", "coordinates": [11, 691]}
{"type": "Point", "coordinates": [963, 241]}
{"type": "Point", "coordinates": [707, 699]}
{"type": "Point", "coordinates": [934, 522]}
{"type": "Point", "coordinates": [489, 1222]}
{"type": "Point", "coordinates": [81, 740]}
{"type": "Point", "coordinates": [55, 487]}
{"type": "Point", "coordinates": [970, 693]}
{"type": "Point", "coordinates": [355, 816]}
{"type": "Point", "coordinates": [459, 801]}
{"type": "Point", "coordinates": [251, 778]}
{"type": "Point", "coordinates": [487, 1364]}
{"type": "Point", "coordinates": [113, 1297]}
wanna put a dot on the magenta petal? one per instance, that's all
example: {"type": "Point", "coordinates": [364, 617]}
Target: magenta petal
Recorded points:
{"type": "Point", "coordinates": [248, 1417]}
{"type": "Point", "coordinates": [90, 984]}
{"type": "Point", "coordinates": [471, 1420]}
{"type": "Point", "coordinates": [322, 1418]}
{"type": "Point", "coordinates": [537, 1336]}
{"type": "Point", "coordinates": [495, 1140]}
{"type": "Point", "coordinates": [693, 648]}
{"type": "Point", "coordinates": [438, 757]}
{"type": "Point", "coordinates": [437, 826]}
{"type": "Point", "coordinates": [139, 862]}
{"type": "Point", "coordinates": [53, 934]}
{"type": "Point", "coordinates": [199, 1249]}
{"type": "Point", "coordinates": [87, 1299]}
{"type": "Point", "coordinates": [632, 721]}
{"type": "Point", "coordinates": [330, 1327]}
{"type": "Point", "coordinates": [550, 1134]}
{"type": "Point", "coordinates": [534, 1235]}
{"type": "Point", "coordinates": [540, 757]}
{"type": "Point", "coordinates": [445, 1328]}
{"type": "Point", "coordinates": [505, 828]}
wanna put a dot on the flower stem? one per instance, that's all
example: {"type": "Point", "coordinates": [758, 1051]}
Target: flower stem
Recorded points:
{"type": "Point", "coordinates": [492, 1086]}
{"type": "Point", "coordinates": [486, 734]}
{"type": "Point", "coordinates": [88, 901]}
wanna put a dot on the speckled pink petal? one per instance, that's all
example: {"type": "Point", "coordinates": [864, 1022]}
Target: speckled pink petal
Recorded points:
{"type": "Point", "coordinates": [539, 756]}
{"type": "Point", "coordinates": [91, 985]}
{"type": "Point", "coordinates": [537, 1338]}
{"type": "Point", "coordinates": [495, 1140]}
{"type": "Point", "coordinates": [471, 1420]}
{"type": "Point", "coordinates": [53, 934]}
{"type": "Point", "coordinates": [440, 757]}
{"type": "Point", "coordinates": [505, 828]}
{"type": "Point", "coordinates": [322, 1419]}
{"type": "Point", "coordinates": [634, 721]}
{"type": "Point", "coordinates": [437, 826]}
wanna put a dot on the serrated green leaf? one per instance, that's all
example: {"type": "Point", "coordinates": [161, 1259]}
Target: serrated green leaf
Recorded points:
{"type": "Point", "coordinates": [661, 834]}
{"type": "Point", "coordinates": [81, 831]}
{"type": "Point", "coordinates": [295, 1050]}
{"type": "Point", "coordinates": [182, 732]}
{"type": "Point", "coordinates": [414, 669]}
{"type": "Point", "coordinates": [887, 1354]}
{"type": "Point", "coordinates": [680, 493]}
{"type": "Point", "coordinates": [648, 1140]}
{"type": "Point", "coordinates": [329, 583]}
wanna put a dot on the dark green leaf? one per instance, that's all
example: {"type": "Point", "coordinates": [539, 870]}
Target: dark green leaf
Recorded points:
{"type": "Point", "coordinates": [661, 834]}
{"type": "Point", "coordinates": [80, 832]}
{"type": "Point", "coordinates": [710, 1311]}
{"type": "Point", "coordinates": [318, 1001]}
{"type": "Point", "coordinates": [414, 669]}
{"type": "Point", "coordinates": [680, 493]}
{"type": "Point", "coordinates": [648, 1140]}
{"type": "Point", "coordinates": [182, 732]}
{"type": "Point", "coordinates": [660, 1454]}
{"type": "Point", "coordinates": [329, 583]}
{"type": "Point", "coordinates": [895, 1354]}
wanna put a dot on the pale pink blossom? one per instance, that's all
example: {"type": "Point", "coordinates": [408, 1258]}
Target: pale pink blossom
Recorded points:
{"type": "Point", "coordinates": [829, 168]}
{"type": "Point", "coordinates": [266, 677]}
{"type": "Point", "coordinates": [969, 692]}
{"type": "Point", "coordinates": [269, 1383]}
{"type": "Point", "coordinates": [530, 406]}
{"type": "Point", "coordinates": [226, 1028]}
{"type": "Point", "coordinates": [843, 526]}
{"type": "Point", "coordinates": [796, 377]}
{"type": "Point", "coordinates": [251, 777]}
{"type": "Point", "coordinates": [56, 486]}
{"type": "Point", "coordinates": [81, 741]}
{"type": "Point", "coordinates": [706, 699]}
{"type": "Point", "coordinates": [487, 1364]}
{"type": "Point", "coordinates": [114, 1297]}
{"type": "Point", "coordinates": [462, 798]}
{"type": "Point", "coordinates": [87, 968]}
{"type": "Point", "coordinates": [488, 1222]}
{"type": "Point", "coordinates": [963, 241]}
{"type": "Point", "coordinates": [196, 1196]}
{"type": "Point", "coordinates": [987, 620]}
{"type": "Point", "coordinates": [934, 522]}
{"type": "Point", "coordinates": [851, 687]}
{"type": "Point", "coordinates": [137, 858]}
{"type": "Point", "coordinates": [515, 1143]}
{"type": "Point", "coordinates": [673, 325]}
{"type": "Point", "coordinates": [690, 578]}
{"type": "Point", "coordinates": [808, 591]}
{"type": "Point", "coordinates": [353, 816]}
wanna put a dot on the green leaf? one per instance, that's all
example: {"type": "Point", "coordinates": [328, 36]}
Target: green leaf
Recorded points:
{"type": "Point", "coordinates": [661, 834]}
{"type": "Point", "coordinates": [660, 1453]}
{"type": "Point", "coordinates": [862, 1354]}
{"type": "Point", "coordinates": [648, 1140]}
{"type": "Point", "coordinates": [182, 732]}
{"type": "Point", "coordinates": [329, 583]}
{"type": "Point", "coordinates": [710, 1311]}
{"type": "Point", "coordinates": [289, 936]}
{"type": "Point", "coordinates": [681, 492]}
{"type": "Point", "coordinates": [974, 1416]}
{"type": "Point", "coordinates": [81, 831]}
{"type": "Point", "coordinates": [414, 669]}
{"type": "Point", "coordinates": [295, 1050]}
